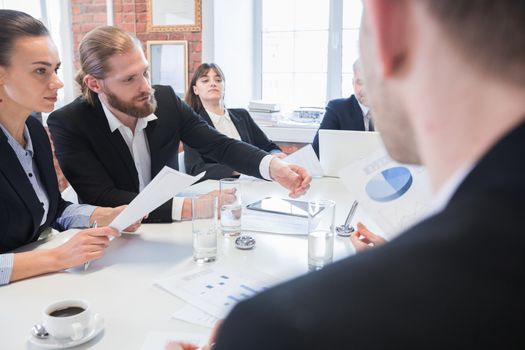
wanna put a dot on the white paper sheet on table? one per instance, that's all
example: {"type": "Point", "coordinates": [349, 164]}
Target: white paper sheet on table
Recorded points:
{"type": "Point", "coordinates": [306, 158]}
{"type": "Point", "coordinates": [196, 316]}
{"type": "Point", "coordinates": [406, 197]}
{"type": "Point", "coordinates": [163, 187]}
{"type": "Point", "coordinates": [156, 340]}
{"type": "Point", "coordinates": [216, 290]}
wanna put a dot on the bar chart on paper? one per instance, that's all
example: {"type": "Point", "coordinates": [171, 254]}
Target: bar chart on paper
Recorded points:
{"type": "Point", "coordinates": [216, 291]}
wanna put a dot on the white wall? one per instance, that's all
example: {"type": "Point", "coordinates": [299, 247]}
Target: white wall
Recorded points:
{"type": "Point", "coordinates": [228, 41]}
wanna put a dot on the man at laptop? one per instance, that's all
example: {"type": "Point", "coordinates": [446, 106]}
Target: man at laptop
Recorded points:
{"type": "Point", "coordinates": [347, 113]}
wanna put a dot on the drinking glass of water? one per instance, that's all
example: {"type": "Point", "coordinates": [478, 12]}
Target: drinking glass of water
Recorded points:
{"type": "Point", "coordinates": [204, 227]}
{"type": "Point", "coordinates": [321, 229]}
{"type": "Point", "coordinates": [230, 206]}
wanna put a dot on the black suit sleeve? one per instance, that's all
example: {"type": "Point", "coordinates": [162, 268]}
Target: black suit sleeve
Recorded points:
{"type": "Point", "coordinates": [330, 121]}
{"type": "Point", "coordinates": [195, 164]}
{"type": "Point", "coordinates": [250, 133]}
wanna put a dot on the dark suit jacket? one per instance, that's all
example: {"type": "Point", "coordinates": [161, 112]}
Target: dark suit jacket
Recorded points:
{"type": "Point", "coordinates": [454, 281]}
{"type": "Point", "coordinates": [341, 114]}
{"type": "Point", "coordinates": [20, 209]}
{"type": "Point", "coordinates": [99, 165]}
{"type": "Point", "coordinates": [249, 132]}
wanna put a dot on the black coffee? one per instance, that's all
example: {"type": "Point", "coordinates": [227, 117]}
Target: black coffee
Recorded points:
{"type": "Point", "coordinates": [68, 311]}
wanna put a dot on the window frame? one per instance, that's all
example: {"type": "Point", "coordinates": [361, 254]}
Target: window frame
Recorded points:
{"type": "Point", "coordinates": [334, 73]}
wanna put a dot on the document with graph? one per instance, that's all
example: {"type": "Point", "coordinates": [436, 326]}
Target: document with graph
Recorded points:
{"type": "Point", "coordinates": [394, 195]}
{"type": "Point", "coordinates": [216, 290]}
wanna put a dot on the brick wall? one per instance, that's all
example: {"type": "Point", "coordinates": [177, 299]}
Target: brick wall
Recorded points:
{"type": "Point", "coordinates": [130, 15]}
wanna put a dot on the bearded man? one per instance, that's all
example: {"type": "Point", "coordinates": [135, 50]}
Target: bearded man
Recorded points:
{"type": "Point", "coordinates": [121, 132]}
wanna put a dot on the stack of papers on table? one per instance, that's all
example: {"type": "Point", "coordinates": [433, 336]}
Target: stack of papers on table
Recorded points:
{"type": "Point", "coordinates": [253, 220]}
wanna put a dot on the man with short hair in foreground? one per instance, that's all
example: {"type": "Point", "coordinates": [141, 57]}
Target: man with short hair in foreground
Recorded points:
{"type": "Point", "coordinates": [446, 82]}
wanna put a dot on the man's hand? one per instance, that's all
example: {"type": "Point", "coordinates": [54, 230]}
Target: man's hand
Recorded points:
{"type": "Point", "coordinates": [363, 239]}
{"type": "Point", "coordinates": [290, 176]}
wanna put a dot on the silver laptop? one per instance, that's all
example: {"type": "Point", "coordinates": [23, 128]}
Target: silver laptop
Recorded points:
{"type": "Point", "coordinates": [338, 148]}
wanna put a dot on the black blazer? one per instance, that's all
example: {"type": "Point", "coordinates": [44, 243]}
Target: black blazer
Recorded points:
{"type": "Point", "coordinates": [341, 114]}
{"type": "Point", "coordinates": [20, 209]}
{"type": "Point", "coordinates": [454, 281]}
{"type": "Point", "coordinates": [249, 132]}
{"type": "Point", "coordinates": [99, 165]}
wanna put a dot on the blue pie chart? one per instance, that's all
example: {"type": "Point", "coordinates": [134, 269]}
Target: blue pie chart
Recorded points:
{"type": "Point", "coordinates": [389, 184]}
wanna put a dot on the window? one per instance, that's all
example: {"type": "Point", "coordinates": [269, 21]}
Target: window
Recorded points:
{"type": "Point", "coordinates": [307, 50]}
{"type": "Point", "coordinates": [352, 10]}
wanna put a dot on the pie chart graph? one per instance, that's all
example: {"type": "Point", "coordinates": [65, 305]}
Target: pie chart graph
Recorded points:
{"type": "Point", "coordinates": [389, 184]}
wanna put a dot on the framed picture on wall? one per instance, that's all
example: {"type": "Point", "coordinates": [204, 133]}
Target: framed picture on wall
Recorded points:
{"type": "Point", "coordinates": [174, 16]}
{"type": "Point", "coordinates": [169, 64]}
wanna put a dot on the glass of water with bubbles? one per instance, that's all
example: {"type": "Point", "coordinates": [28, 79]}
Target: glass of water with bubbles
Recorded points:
{"type": "Point", "coordinates": [230, 206]}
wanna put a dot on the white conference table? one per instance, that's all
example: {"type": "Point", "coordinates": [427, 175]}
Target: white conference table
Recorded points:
{"type": "Point", "coordinates": [120, 287]}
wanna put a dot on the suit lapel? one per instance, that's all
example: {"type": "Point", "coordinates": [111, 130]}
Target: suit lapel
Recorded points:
{"type": "Point", "coordinates": [14, 173]}
{"type": "Point", "coordinates": [358, 113]}
{"type": "Point", "coordinates": [240, 126]}
{"type": "Point", "coordinates": [44, 162]}
{"type": "Point", "coordinates": [116, 142]}
{"type": "Point", "coordinates": [206, 117]}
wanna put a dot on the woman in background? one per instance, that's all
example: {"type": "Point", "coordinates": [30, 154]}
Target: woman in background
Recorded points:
{"type": "Point", "coordinates": [30, 201]}
{"type": "Point", "coordinates": [206, 96]}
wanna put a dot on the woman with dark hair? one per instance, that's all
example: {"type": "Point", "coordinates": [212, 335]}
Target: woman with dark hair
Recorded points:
{"type": "Point", "coordinates": [206, 96]}
{"type": "Point", "coordinates": [30, 202]}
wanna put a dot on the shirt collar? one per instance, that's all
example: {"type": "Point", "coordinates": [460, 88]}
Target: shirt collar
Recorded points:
{"type": "Point", "coordinates": [445, 193]}
{"type": "Point", "coordinates": [11, 140]}
{"type": "Point", "coordinates": [364, 108]}
{"type": "Point", "coordinates": [115, 123]}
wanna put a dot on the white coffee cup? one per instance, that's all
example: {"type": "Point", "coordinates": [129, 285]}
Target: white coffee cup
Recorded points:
{"type": "Point", "coordinates": [67, 318]}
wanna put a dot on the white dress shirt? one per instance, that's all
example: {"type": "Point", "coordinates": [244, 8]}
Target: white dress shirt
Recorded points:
{"type": "Point", "coordinates": [366, 115]}
{"type": "Point", "coordinates": [224, 124]}
{"type": "Point", "coordinates": [138, 146]}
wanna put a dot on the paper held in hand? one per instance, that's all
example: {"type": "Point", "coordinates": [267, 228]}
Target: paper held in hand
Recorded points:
{"type": "Point", "coordinates": [163, 187]}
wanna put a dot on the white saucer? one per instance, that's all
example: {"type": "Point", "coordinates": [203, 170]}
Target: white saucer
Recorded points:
{"type": "Point", "coordinates": [54, 343]}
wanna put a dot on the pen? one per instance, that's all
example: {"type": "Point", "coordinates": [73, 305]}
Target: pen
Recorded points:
{"type": "Point", "coordinates": [351, 213]}
{"type": "Point", "coordinates": [346, 230]}
{"type": "Point", "coordinates": [86, 264]}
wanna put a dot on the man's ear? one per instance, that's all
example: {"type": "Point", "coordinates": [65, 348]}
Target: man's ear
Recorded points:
{"type": "Point", "coordinates": [93, 83]}
{"type": "Point", "coordinates": [388, 22]}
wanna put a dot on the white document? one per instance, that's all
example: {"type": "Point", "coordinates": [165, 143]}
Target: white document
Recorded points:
{"type": "Point", "coordinates": [195, 316]}
{"type": "Point", "coordinates": [163, 187]}
{"type": "Point", "coordinates": [339, 148]}
{"type": "Point", "coordinates": [306, 158]}
{"type": "Point", "coordinates": [158, 340]}
{"type": "Point", "coordinates": [394, 195]}
{"type": "Point", "coordinates": [216, 290]}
